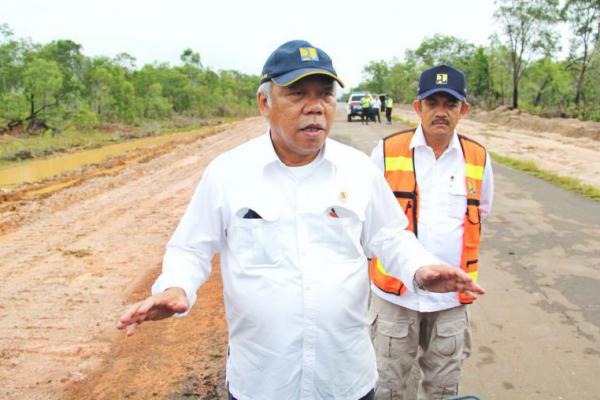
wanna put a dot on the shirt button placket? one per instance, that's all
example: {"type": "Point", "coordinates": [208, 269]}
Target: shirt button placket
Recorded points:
{"type": "Point", "coordinates": [310, 309]}
{"type": "Point", "coordinates": [309, 337]}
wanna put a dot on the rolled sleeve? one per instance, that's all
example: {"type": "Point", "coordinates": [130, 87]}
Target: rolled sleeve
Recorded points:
{"type": "Point", "coordinates": [188, 256]}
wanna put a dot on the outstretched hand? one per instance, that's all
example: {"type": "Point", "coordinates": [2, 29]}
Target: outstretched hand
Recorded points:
{"type": "Point", "coordinates": [444, 278]}
{"type": "Point", "coordinates": [159, 306]}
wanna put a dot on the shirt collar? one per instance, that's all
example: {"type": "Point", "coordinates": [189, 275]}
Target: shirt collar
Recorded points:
{"type": "Point", "coordinates": [418, 140]}
{"type": "Point", "coordinates": [266, 151]}
{"type": "Point", "coordinates": [267, 154]}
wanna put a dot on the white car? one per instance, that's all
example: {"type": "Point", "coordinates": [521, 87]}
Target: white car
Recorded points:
{"type": "Point", "coordinates": [354, 108]}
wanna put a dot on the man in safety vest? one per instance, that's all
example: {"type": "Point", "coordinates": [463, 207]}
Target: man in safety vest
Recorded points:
{"type": "Point", "coordinates": [443, 181]}
{"type": "Point", "coordinates": [389, 103]}
{"type": "Point", "coordinates": [365, 102]}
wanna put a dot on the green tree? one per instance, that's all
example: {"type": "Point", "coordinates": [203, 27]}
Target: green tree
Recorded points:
{"type": "Point", "coordinates": [402, 81]}
{"type": "Point", "coordinates": [527, 25]}
{"type": "Point", "coordinates": [125, 60]}
{"type": "Point", "coordinates": [189, 57]}
{"type": "Point", "coordinates": [591, 108]}
{"type": "Point", "coordinates": [477, 72]}
{"type": "Point", "coordinates": [500, 70]}
{"type": "Point", "coordinates": [155, 105]}
{"type": "Point", "coordinates": [57, 83]}
{"type": "Point", "coordinates": [376, 72]}
{"type": "Point", "coordinates": [584, 18]}
{"type": "Point", "coordinates": [442, 49]}
{"type": "Point", "coordinates": [42, 82]}
{"type": "Point", "coordinates": [547, 86]}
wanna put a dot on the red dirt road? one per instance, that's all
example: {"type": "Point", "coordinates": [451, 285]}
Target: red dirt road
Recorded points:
{"type": "Point", "coordinates": [73, 261]}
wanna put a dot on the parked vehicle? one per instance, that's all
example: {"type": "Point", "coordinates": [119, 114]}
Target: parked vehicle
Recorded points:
{"type": "Point", "coordinates": [354, 108]}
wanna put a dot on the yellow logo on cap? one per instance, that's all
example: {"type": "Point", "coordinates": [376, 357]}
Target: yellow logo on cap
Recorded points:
{"type": "Point", "coordinates": [308, 54]}
{"type": "Point", "coordinates": [441, 79]}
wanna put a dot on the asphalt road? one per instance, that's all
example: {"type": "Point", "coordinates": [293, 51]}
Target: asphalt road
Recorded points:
{"type": "Point", "coordinates": [537, 330]}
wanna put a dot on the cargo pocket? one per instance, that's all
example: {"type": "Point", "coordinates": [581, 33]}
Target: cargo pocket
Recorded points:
{"type": "Point", "coordinates": [391, 339]}
{"type": "Point", "coordinates": [449, 338]}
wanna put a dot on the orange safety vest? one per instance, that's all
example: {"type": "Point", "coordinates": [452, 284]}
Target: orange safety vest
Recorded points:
{"type": "Point", "coordinates": [400, 174]}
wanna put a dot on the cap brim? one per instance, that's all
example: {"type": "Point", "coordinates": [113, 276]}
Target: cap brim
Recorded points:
{"type": "Point", "coordinates": [294, 76]}
{"type": "Point", "coordinates": [451, 92]}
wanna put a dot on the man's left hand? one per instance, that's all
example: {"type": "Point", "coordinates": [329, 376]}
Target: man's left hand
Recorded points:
{"type": "Point", "coordinates": [444, 278]}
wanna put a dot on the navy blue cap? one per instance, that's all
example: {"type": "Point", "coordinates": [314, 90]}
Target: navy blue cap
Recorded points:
{"type": "Point", "coordinates": [442, 78]}
{"type": "Point", "coordinates": [295, 60]}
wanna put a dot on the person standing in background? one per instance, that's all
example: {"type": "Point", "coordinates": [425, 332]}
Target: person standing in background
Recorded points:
{"type": "Point", "coordinates": [365, 102]}
{"type": "Point", "coordinates": [375, 109]}
{"type": "Point", "coordinates": [389, 104]}
{"type": "Point", "coordinates": [443, 181]}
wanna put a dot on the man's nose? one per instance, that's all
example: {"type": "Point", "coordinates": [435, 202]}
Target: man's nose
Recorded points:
{"type": "Point", "coordinates": [314, 104]}
{"type": "Point", "coordinates": [440, 110]}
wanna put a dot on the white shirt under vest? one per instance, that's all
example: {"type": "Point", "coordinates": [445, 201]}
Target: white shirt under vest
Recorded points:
{"type": "Point", "coordinates": [442, 207]}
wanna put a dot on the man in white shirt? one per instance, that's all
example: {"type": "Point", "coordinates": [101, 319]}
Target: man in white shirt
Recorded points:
{"type": "Point", "coordinates": [444, 183]}
{"type": "Point", "coordinates": [376, 106]}
{"type": "Point", "coordinates": [294, 225]}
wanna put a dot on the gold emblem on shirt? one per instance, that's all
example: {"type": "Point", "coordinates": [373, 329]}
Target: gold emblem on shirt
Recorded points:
{"type": "Point", "coordinates": [343, 196]}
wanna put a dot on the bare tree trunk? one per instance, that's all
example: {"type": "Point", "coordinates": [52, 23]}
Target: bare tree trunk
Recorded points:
{"type": "Point", "coordinates": [538, 97]}
{"type": "Point", "coordinates": [579, 96]}
{"type": "Point", "coordinates": [515, 103]}
{"type": "Point", "coordinates": [31, 117]}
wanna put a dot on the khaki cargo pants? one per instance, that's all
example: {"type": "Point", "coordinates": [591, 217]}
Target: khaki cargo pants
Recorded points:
{"type": "Point", "coordinates": [397, 333]}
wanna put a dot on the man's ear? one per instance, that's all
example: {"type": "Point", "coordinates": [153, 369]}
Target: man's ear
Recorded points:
{"type": "Point", "coordinates": [417, 107]}
{"type": "Point", "coordinates": [464, 108]}
{"type": "Point", "coordinates": [263, 105]}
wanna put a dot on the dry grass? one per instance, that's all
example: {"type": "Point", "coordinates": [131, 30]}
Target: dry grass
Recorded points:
{"type": "Point", "coordinates": [563, 182]}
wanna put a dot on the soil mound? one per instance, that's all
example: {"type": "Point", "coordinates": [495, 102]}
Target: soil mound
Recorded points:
{"type": "Point", "coordinates": [518, 119]}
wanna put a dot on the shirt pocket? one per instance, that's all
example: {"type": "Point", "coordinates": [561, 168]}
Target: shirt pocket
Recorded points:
{"type": "Point", "coordinates": [254, 237]}
{"type": "Point", "coordinates": [336, 234]}
{"type": "Point", "coordinates": [457, 201]}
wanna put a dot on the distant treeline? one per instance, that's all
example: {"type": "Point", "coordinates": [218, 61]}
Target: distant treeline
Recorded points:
{"type": "Point", "coordinates": [519, 67]}
{"type": "Point", "coordinates": [55, 86]}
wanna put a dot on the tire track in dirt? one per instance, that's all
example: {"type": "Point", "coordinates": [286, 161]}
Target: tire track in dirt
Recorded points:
{"type": "Point", "coordinates": [75, 260]}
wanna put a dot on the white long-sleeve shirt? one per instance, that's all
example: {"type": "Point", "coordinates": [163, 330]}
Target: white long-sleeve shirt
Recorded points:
{"type": "Point", "coordinates": [295, 279]}
{"type": "Point", "coordinates": [442, 206]}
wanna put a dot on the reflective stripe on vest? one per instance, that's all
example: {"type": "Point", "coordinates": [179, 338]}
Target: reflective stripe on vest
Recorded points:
{"type": "Point", "coordinates": [400, 174]}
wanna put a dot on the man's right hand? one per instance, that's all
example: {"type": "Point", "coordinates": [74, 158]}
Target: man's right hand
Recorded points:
{"type": "Point", "coordinates": [159, 306]}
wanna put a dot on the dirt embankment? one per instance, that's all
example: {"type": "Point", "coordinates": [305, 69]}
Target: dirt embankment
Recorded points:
{"type": "Point", "coordinates": [73, 260]}
{"type": "Point", "coordinates": [566, 147]}
{"type": "Point", "coordinates": [516, 119]}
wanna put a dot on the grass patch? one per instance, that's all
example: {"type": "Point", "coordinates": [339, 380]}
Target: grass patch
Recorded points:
{"type": "Point", "coordinates": [405, 121]}
{"type": "Point", "coordinates": [16, 149]}
{"type": "Point", "coordinates": [571, 184]}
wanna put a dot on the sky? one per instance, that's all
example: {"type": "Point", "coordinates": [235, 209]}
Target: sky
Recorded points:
{"type": "Point", "coordinates": [241, 34]}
